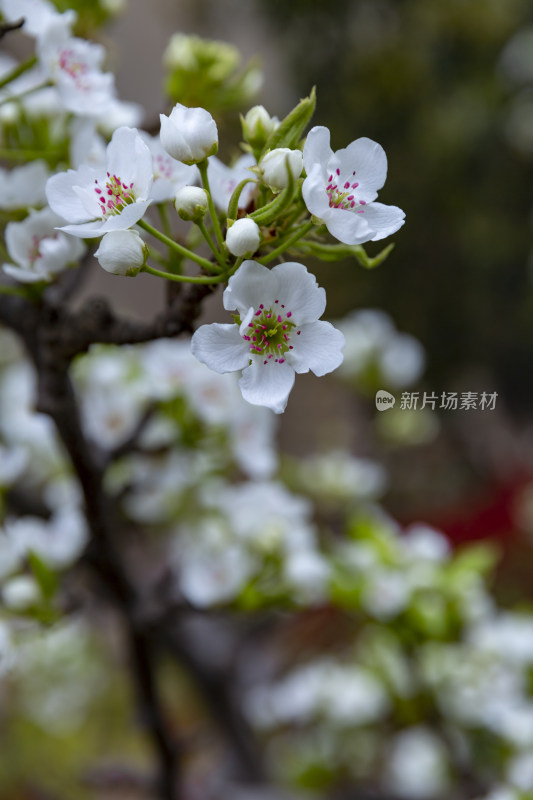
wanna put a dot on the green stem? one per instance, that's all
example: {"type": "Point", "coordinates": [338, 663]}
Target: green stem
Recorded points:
{"type": "Point", "coordinates": [16, 97]}
{"type": "Point", "coordinates": [19, 70]}
{"type": "Point", "coordinates": [202, 166]}
{"type": "Point", "coordinates": [159, 257]}
{"type": "Point", "coordinates": [13, 290]}
{"type": "Point", "coordinates": [178, 248]}
{"type": "Point", "coordinates": [27, 155]}
{"type": "Point", "coordinates": [235, 267]}
{"type": "Point", "coordinates": [214, 249]}
{"type": "Point", "coordinates": [286, 243]}
{"type": "Point", "coordinates": [161, 207]}
{"type": "Point", "coordinates": [183, 278]}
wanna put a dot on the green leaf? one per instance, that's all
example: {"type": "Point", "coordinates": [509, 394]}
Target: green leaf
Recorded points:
{"type": "Point", "coordinates": [45, 577]}
{"type": "Point", "coordinates": [290, 129]}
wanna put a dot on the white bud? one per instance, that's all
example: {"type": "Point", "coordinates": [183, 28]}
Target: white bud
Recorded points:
{"type": "Point", "coordinates": [122, 253]}
{"type": "Point", "coordinates": [189, 135]}
{"type": "Point", "coordinates": [257, 126]}
{"type": "Point", "coordinates": [9, 113]}
{"type": "Point", "coordinates": [273, 167]}
{"type": "Point", "coordinates": [21, 592]}
{"type": "Point", "coordinates": [243, 237]}
{"type": "Point", "coordinates": [191, 202]}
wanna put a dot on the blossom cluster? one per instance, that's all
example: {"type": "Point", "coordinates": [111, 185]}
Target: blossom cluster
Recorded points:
{"type": "Point", "coordinates": [282, 196]}
{"type": "Point", "coordinates": [181, 434]}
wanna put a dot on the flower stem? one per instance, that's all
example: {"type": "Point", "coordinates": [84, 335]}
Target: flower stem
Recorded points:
{"type": "Point", "coordinates": [13, 290]}
{"type": "Point", "coordinates": [22, 155]}
{"type": "Point", "coordinates": [202, 166]}
{"type": "Point", "coordinates": [178, 248]}
{"type": "Point", "coordinates": [214, 249]}
{"type": "Point", "coordinates": [235, 267]}
{"type": "Point", "coordinates": [287, 242]}
{"type": "Point", "coordinates": [18, 70]}
{"type": "Point", "coordinates": [161, 207]}
{"type": "Point", "coordinates": [16, 97]}
{"type": "Point", "coordinates": [183, 278]}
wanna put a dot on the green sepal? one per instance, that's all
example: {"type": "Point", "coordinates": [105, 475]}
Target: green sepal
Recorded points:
{"type": "Point", "coordinates": [290, 129]}
{"type": "Point", "coordinates": [336, 252]}
{"type": "Point", "coordinates": [273, 210]}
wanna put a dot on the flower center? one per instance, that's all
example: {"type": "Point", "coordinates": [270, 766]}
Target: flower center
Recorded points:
{"type": "Point", "coordinates": [162, 166]}
{"type": "Point", "coordinates": [269, 332]}
{"type": "Point", "coordinates": [72, 65]}
{"type": "Point", "coordinates": [341, 193]}
{"type": "Point", "coordinates": [114, 195]}
{"type": "Point", "coordinates": [34, 246]}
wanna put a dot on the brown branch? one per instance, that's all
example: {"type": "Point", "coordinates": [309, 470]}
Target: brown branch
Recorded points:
{"type": "Point", "coordinates": [8, 27]}
{"type": "Point", "coordinates": [52, 339]}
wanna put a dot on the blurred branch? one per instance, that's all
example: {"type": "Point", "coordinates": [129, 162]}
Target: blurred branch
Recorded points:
{"type": "Point", "coordinates": [9, 27]}
{"type": "Point", "coordinates": [52, 337]}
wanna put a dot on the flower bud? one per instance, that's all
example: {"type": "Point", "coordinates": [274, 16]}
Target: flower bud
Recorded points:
{"type": "Point", "coordinates": [189, 135]}
{"type": "Point", "coordinates": [122, 253]}
{"type": "Point", "coordinates": [243, 237]}
{"type": "Point", "coordinates": [191, 202]}
{"type": "Point", "coordinates": [273, 167]}
{"type": "Point", "coordinates": [21, 592]}
{"type": "Point", "coordinates": [257, 126]}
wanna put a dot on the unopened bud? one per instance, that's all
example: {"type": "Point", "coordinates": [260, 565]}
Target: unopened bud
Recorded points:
{"type": "Point", "coordinates": [273, 167]}
{"type": "Point", "coordinates": [191, 202]}
{"type": "Point", "coordinates": [122, 253]}
{"type": "Point", "coordinates": [21, 592]}
{"type": "Point", "coordinates": [243, 237]}
{"type": "Point", "coordinates": [257, 126]}
{"type": "Point", "coordinates": [189, 135]}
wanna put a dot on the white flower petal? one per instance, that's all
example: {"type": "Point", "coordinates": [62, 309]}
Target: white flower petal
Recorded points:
{"type": "Point", "coordinates": [129, 158]}
{"type": "Point", "coordinates": [127, 217]}
{"type": "Point", "coordinates": [85, 230]}
{"type": "Point", "coordinates": [220, 347]}
{"type": "Point", "coordinates": [367, 160]}
{"type": "Point", "coordinates": [348, 227]}
{"type": "Point", "coordinates": [251, 285]}
{"type": "Point", "coordinates": [314, 193]}
{"type": "Point", "coordinates": [22, 274]}
{"type": "Point", "coordinates": [223, 180]}
{"type": "Point", "coordinates": [299, 292]}
{"type": "Point", "coordinates": [61, 195]}
{"type": "Point", "coordinates": [267, 384]}
{"type": "Point", "coordinates": [317, 148]}
{"type": "Point", "coordinates": [384, 219]}
{"type": "Point", "coordinates": [318, 348]}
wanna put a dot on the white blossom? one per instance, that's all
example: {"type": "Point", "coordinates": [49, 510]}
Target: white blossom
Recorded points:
{"type": "Point", "coordinates": [113, 198]}
{"type": "Point", "coordinates": [341, 188]}
{"type": "Point", "coordinates": [23, 186]}
{"type": "Point", "coordinates": [74, 66]}
{"type": "Point", "coordinates": [40, 252]}
{"type": "Point", "coordinates": [169, 175]}
{"type": "Point", "coordinates": [224, 180]}
{"type": "Point", "coordinates": [279, 332]}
